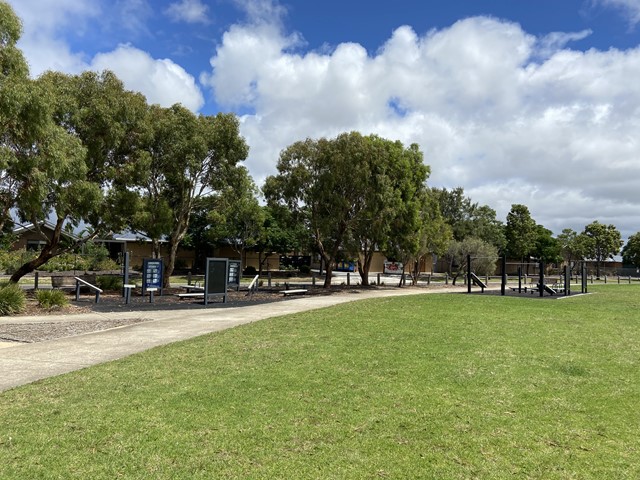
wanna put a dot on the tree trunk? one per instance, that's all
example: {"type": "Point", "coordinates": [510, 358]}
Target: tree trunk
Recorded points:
{"type": "Point", "coordinates": [364, 267]}
{"type": "Point", "coordinates": [328, 274]}
{"type": "Point", "coordinates": [45, 255]}
{"type": "Point", "coordinates": [170, 264]}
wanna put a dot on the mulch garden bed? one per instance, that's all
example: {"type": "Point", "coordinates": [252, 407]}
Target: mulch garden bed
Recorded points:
{"type": "Point", "coordinates": [13, 331]}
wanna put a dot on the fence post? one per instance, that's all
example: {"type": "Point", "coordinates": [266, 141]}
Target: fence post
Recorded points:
{"type": "Point", "coordinates": [35, 280]}
{"type": "Point", "coordinates": [348, 279]}
{"type": "Point", "coordinates": [446, 278]}
{"type": "Point", "coordinates": [269, 278]}
{"type": "Point", "coordinates": [629, 279]}
{"type": "Point", "coordinates": [605, 279]}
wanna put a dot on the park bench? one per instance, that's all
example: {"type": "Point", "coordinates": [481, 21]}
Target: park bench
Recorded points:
{"type": "Point", "coordinates": [296, 291]}
{"type": "Point", "coordinates": [189, 295]}
{"type": "Point", "coordinates": [189, 288]}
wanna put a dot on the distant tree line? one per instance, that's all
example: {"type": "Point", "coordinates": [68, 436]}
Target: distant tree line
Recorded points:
{"type": "Point", "coordinates": [84, 153]}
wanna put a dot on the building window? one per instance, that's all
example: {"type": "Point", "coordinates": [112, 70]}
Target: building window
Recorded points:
{"type": "Point", "coordinates": [35, 245]}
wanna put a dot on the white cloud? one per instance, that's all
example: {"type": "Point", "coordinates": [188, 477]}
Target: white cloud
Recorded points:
{"type": "Point", "coordinates": [510, 117]}
{"type": "Point", "coordinates": [43, 22]}
{"type": "Point", "coordinates": [555, 41]}
{"type": "Point", "coordinates": [190, 11]}
{"type": "Point", "coordinates": [133, 15]}
{"type": "Point", "coordinates": [161, 81]}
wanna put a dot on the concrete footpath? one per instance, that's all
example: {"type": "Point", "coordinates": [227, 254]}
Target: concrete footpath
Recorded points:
{"type": "Point", "coordinates": [25, 363]}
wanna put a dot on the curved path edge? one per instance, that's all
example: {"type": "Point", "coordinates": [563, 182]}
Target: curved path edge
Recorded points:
{"type": "Point", "coordinates": [26, 363]}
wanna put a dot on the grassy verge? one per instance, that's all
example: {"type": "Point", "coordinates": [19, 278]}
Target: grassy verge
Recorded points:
{"type": "Point", "coordinates": [439, 386]}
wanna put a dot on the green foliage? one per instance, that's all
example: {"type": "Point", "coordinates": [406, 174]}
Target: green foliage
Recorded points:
{"type": "Point", "coordinates": [52, 298]}
{"type": "Point", "coordinates": [304, 269]}
{"type": "Point", "coordinates": [10, 260]}
{"type": "Point", "coordinates": [182, 158]}
{"type": "Point", "coordinates": [236, 217]}
{"type": "Point", "coordinates": [547, 248]}
{"type": "Point", "coordinates": [109, 282]}
{"type": "Point", "coordinates": [468, 219]}
{"type": "Point", "coordinates": [484, 257]}
{"type": "Point", "coordinates": [12, 299]}
{"type": "Point", "coordinates": [94, 258]}
{"type": "Point", "coordinates": [631, 251]}
{"type": "Point", "coordinates": [601, 242]}
{"type": "Point", "coordinates": [250, 270]}
{"type": "Point", "coordinates": [520, 232]}
{"type": "Point", "coordinates": [572, 245]}
{"type": "Point", "coordinates": [351, 192]}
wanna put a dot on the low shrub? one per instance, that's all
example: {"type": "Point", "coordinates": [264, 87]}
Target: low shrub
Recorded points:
{"type": "Point", "coordinates": [11, 260]}
{"type": "Point", "coordinates": [250, 270]}
{"type": "Point", "coordinates": [109, 282]}
{"type": "Point", "coordinates": [52, 298]}
{"type": "Point", "coordinates": [305, 269]}
{"type": "Point", "coordinates": [12, 299]}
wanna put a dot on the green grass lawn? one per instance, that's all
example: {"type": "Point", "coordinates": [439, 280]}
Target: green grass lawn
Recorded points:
{"type": "Point", "coordinates": [434, 386]}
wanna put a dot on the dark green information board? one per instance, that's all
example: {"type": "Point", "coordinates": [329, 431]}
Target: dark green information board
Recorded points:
{"type": "Point", "coordinates": [215, 279]}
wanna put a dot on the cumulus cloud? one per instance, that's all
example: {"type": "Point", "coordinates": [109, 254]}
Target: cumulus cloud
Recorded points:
{"type": "Point", "coordinates": [45, 46]}
{"type": "Point", "coordinates": [190, 11]}
{"type": "Point", "coordinates": [43, 22]}
{"type": "Point", "coordinates": [161, 81]}
{"type": "Point", "coordinates": [511, 117]}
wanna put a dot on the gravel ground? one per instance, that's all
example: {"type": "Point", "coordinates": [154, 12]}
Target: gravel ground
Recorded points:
{"type": "Point", "coordinates": [13, 331]}
{"type": "Point", "coordinates": [42, 331]}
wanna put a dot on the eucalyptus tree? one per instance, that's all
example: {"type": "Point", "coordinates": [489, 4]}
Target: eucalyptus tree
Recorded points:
{"type": "Point", "coordinates": [602, 242]}
{"type": "Point", "coordinates": [520, 232]}
{"type": "Point", "coordinates": [631, 251]}
{"type": "Point", "coordinates": [353, 193]}
{"type": "Point", "coordinates": [422, 232]}
{"type": "Point", "coordinates": [547, 248]}
{"type": "Point", "coordinates": [319, 181]}
{"type": "Point", "coordinates": [24, 113]}
{"type": "Point", "coordinates": [77, 172]}
{"type": "Point", "coordinates": [185, 157]}
{"type": "Point", "coordinates": [393, 191]}
{"type": "Point", "coordinates": [281, 235]}
{"type": "Point", "coordinates": [469, 219]}
{"type": "Point", "coordinates": [236, 216]}
{"type": "Point", "coordinates": [64, 141]}
{"type": "Point", "coordinates": [484, 263]}
{"type": "Point", "coordinates": [573, 246]}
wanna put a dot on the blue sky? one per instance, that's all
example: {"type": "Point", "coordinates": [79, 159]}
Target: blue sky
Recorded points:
{"type": "Point", "coordinates": [533, 102]}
